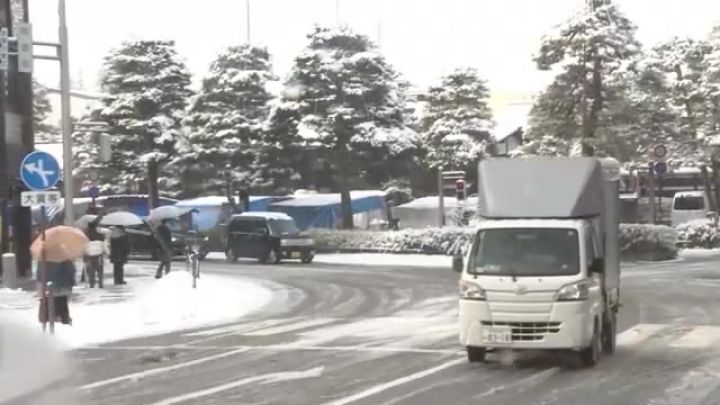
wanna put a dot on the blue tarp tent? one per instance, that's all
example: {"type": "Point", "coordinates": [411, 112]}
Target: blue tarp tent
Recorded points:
{"type": "Point", "coordinates": [323, 210]}
{"type": "Point", "coordinates": [212, 209]}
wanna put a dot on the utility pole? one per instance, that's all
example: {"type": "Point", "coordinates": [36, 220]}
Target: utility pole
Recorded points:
{"type": "Point", "coordinates": [5, 182]}
{"type": "Point", "coordinates": [337, 12]}
{"type": "Point", "coordinates": [68, 185]}
{"type": "Point", "coordinates": [247, 23]}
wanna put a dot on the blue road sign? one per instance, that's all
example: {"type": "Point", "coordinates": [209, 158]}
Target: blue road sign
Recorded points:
{"type": "Point", "coordinates": [660, 168]}
{"type": "Point", "coordinates": [94, 192]}
{"type": "Point", "coordinates": [39, 171]}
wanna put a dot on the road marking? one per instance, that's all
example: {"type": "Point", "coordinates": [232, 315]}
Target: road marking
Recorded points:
{"type": "Point", "coordinates": [638, 334]}
{"type": "Point", "coordinates": [160, 370]}
{"type": "Point", "coordinates": [290, 327]}
{"type": "Point", "coordinates": [263, 379]}
{"type": "Point", "coordinates": [232, 329]}
{"type": "Point", "coordinates": [291, 347]}
{"type": "Point", "coordinates": [698, 337]}
{"type": "Point", "coordinates": [537, 378]}
{"type": "Point", "coordinates": [392, 384]}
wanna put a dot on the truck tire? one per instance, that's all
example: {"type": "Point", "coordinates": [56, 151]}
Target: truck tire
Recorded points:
{"type": "Point", "coordinates": [476, 354]}
{"type": "Point", "coordinates": [609, 340]}
{"type": "Point", "coordinates": [230, 256]}
{"type": "Point", "coordinates": [590, 356]}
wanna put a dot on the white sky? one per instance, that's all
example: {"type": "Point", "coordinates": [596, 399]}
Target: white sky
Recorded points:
{"type": "Point", "coordinates": [423, 39]}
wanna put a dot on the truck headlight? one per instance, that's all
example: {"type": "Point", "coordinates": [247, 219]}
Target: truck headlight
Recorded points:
{"type": "Point", "coordinates": [573, 292]}
{"type": "Point", "coordinates": [471, 291]}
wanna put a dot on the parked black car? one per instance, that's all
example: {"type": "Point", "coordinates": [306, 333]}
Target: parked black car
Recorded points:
{"type": "Point", "coordinates": [267, 236]}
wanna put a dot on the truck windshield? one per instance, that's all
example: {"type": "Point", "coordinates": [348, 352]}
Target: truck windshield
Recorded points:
{"type": "Point", "coordinates": [527, 252]}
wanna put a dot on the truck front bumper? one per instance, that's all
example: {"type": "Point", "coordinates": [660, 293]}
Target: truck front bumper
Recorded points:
{"type": "Point", "coordinates": [569, 325]}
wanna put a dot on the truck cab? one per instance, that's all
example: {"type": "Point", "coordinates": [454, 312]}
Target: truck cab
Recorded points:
{"type": "Point", "coordinates": [543, 270]}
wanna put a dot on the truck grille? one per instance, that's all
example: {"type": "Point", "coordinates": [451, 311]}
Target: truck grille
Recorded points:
{"type": "Point", "coordinates": [527, 331]}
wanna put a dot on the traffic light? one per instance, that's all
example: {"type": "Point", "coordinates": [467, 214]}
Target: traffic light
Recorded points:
{"type": "Point", "coordinates": [105, 147]}
{"type": "Point", "coordinates": [460, 190]}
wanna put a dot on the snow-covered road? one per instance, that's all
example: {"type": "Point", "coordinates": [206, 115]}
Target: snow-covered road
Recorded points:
{"type": "Point", "coordinates": [143, 307]}
{"type": "Point", "coordinates": [386, 333]}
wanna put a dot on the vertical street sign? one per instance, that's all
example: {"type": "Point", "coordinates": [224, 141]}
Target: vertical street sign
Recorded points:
{"type": "Point", "coordinates": [25, 47]}
{"type": "Point", "coordinates": [4, 48]}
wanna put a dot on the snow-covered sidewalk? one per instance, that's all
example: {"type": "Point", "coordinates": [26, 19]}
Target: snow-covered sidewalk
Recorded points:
{"type": "Point", "coordinates": [386, 259]}
{"type": "Point", "coordinates": [143, 307]}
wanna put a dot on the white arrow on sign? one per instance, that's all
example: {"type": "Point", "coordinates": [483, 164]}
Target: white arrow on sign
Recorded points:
{"type": "Point", "coordinates": [39, 169]}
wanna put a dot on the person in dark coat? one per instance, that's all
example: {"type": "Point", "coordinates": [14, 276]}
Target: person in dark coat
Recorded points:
{"type": "Point", "coordinates": [164, 238]}
{"type": "Point", "coordinates": [61, 279]}
{"type": "Point", "coordinates": [119, 253]}
{"type": "Point", "coordinates": [94, 256]}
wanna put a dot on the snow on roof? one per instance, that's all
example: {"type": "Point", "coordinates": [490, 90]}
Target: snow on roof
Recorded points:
{"type": "Point", "coordinates": [696, 193]}
{"type": "Point", "coordinates": [510, 117]}
{"type": "Point", "coordinates": [266, 215]}
{"type": "Point", "coordinates": [432, 202]}
{"type": "Point", "coordinates": [319, 200]}
{"type": "Point", "coordinates": [213, 201]}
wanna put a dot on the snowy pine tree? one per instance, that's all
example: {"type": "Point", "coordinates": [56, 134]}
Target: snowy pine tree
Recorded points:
{"type": "Point", "coordinates": [457, 120]}
{"type": "Point", "coordinates": [147, 91]}
{"type": "Point", "coordinates": [350, 103]}
{"type": "Point", "coordinates": [665, 99]}
{"type": "Point", "coordinates": [588, 49]}
{"type": "Point", "coordinates": [44, 132]}
{"type": "Point", "coordinates": [226, 121]}
{"type": "Point", "coordinates": [280, 150]}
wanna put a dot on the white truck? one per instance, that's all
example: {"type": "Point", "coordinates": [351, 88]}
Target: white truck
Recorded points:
{"type": "Point", "coordinates": [543, 272]}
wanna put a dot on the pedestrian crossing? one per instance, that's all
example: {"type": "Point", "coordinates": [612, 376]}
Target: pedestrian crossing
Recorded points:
{"type": "Point", "coordinates": [675, 336]}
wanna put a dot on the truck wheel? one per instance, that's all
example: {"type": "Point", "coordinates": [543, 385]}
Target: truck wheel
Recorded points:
{"type": "Point", "coordinates": [230, 256]}
{"type": "Point", "coordinates": [590, 356]}
{"type": "Point", "coordinates": [609, 340]}
{"type": "Point", "coordinates": [272, 257]}
{"type": "Point", "coordinates": [307, 258]}
{"type": "Point", "coordinates": [476, 354]}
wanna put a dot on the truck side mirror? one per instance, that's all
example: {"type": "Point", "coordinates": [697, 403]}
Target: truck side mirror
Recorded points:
{"type": "Point", "coordinates": [597, 266]}
{"type": "Point", "coordinates": [457, 264]}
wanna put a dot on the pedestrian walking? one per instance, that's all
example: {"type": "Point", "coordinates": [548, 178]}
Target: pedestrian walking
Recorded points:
{"type": "Point", "coordinates": [94, 255]}
{"type": "Point", "coordinates": [61, 280]}
{"type": "Point", "coordinates": [164, 239]}
{"type": "Point", "coordinates": [119, 253]}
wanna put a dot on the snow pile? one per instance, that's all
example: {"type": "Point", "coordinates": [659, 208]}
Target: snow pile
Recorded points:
{"type": "Point", "coordinates": [647, 242]}
{"type": "Point", "coordinates": [637, 241]}
{"type": "Point", "coordinates": [700, 233]}
{"type": "Point", "coordinates": [144, 307]}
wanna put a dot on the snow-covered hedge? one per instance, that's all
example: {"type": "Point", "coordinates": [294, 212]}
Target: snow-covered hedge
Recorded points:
{"type": "Point", "coordinates": [637, 242]}
{"type": "Point", "coordinates": [444, 241]}
{"type": "Point", "coordinates": [642, 242]}
{"type": "Point", "coordinates": [700, 233]}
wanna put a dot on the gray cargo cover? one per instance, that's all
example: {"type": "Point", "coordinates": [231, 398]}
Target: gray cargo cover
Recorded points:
{"type": "Point", "coordinates": [540, 188]}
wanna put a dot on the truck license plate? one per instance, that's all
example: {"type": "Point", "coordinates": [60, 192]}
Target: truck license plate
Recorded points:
{"type": "Point", "coordinates": [497, 336]}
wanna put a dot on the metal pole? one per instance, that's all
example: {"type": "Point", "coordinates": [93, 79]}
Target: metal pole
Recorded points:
{"type": "Point", "coordinates": [66, 117]}
{"type": "Point", "coordinates": [441, 199]}
{"type": "Point", "coordinates": [651, 193]}
{"type": "Point", "coordinates": [337, 12]}
{"type": "Point", "coordinates": [247, 16]}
